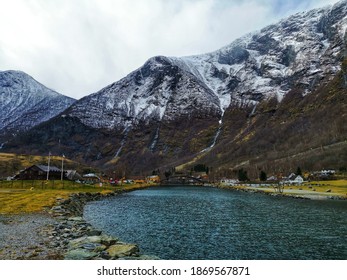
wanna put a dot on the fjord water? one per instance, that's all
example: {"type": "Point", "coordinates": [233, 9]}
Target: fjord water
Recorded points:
{"type": "Point", "coordinates": [188, 222]}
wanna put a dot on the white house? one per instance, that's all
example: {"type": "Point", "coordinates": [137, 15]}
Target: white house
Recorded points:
{"type": "Point", "coordinates": [294, 180]}
{"type": "Point", "coordinates": [298, 180]}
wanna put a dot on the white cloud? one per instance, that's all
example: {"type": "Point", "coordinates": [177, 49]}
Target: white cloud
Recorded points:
{"type": "Point", "coordinates": [78, 47]}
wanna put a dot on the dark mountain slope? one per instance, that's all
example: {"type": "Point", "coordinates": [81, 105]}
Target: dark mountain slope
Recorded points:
{"type": "Point", "coordinates": [308, 131]}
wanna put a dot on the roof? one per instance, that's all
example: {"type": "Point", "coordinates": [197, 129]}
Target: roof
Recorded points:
{"type": "Point", "coordinates": [91, 175]}
{"type": "Point", "coordinates": [51, 168]}
{"type": "Point", "coordinates": [72, 174]}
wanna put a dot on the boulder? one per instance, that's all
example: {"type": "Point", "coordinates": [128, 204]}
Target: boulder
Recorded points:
{"type": "Point", "coordinates": [80, 254]}
{"type": "Point", "coordinates": [94, 232]}
{"type": "Point", "coordinates": [122, 250]}
{"type": "Point", "coordinates": [99, 239]}
{"type": "Point", "coordinates": [76, 219]}
{"type": "Point", "coordinates": [79, 242]}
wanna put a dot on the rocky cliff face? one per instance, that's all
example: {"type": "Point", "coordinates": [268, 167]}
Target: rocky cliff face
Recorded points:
{"type": "Point", "coordinates": [298, 52]}
{"type": "Point", "coordinates": [157, 91]}
{"type": "Point", "coordinates": [26, 103]}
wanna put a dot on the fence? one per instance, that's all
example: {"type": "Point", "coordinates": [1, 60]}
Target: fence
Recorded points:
{"type": "Point", "coordinates": [47, 184]}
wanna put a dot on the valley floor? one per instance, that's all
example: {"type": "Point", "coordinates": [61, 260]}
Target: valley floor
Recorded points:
{"type": "Point", "coordinates": [27, 235]}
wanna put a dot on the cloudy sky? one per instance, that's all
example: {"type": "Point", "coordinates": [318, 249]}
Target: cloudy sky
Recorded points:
{"type": "Point", "coordinates": [77, 47]}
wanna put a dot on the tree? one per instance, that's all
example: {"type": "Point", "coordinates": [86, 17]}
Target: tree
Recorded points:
{"type": "Point", "coordinates": [262, 176]}
{"type": "Point", "coordinates": [242, 174]}
{"type": "Point", "coordinates": [298, 171]}
{"type": "Point", "coordinates": [167, 174]}
{"type": "Point", "coordinates": [200, 168]}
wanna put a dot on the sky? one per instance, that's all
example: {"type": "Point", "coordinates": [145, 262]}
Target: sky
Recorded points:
{"type": "Point", "coordinates": [77, 47]}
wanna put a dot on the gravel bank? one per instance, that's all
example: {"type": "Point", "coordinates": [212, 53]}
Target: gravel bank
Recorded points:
{"type": "Point", "coordinates": [23, 237]}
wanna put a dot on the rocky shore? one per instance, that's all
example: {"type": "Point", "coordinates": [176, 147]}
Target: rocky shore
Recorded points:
{"type": "Point", "coordinates": [62, 233]}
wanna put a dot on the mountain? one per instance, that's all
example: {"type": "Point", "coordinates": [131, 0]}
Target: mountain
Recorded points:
{"type": "Point", "coordinates": [248, 104]}
{"type": "Point", "coordinates": [297, 52]}
{"type": "Point", "coordinates": [26, 103]}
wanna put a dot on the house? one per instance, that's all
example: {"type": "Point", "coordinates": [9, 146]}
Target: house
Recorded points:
{"type": "Point", "coordinates": [328, 172]}
{"type": "Point", "coordinates": [293, 180]}
{"type": "Point", "coordinates": [138, 179]}
{"type": "Point", "coordinates": [39, 172]}
{"type": "Point", "coordinates": [73, 175]}
{"type": "Point", "coordinates": [298, 180]}
{"type": "Point", "coordinates": [91, 178]}
{"type": "Point", "coordinates": [272, 179]}
{"type": "Point", "coordinates": [153, 179]}
{"type": "Point", "coordinates": [291, 177]}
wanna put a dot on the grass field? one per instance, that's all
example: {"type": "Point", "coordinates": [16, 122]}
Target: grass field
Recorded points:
{"type": "Point", "coordinates": [319, 188]}
{"type": "Point", "coordinates": [34, 196]}
{"type": "Point", "coordinates": [28, 160]}
{"type": "Point", "coordinates": [336, 186]}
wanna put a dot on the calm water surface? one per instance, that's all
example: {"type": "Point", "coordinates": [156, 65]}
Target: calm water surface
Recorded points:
{"type": "Point", "coordinates": [209, 223]}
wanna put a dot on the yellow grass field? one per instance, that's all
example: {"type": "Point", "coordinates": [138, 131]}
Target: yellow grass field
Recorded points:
{"type": "Point", "coordinates": [336, 186]}
{"type": "Point", "coordinates": [18, 197]}
{"type": "Point", "coordinates": [28, 160]}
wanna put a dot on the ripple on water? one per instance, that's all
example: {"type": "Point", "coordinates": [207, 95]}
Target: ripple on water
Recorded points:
{"type": "Point", "coordinates": [210, 223]}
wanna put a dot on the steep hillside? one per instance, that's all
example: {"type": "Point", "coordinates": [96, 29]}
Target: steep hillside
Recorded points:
{"type": "Point", "coordinates": [26, 103]}
{"type": "Point", "coordinates": [307, 131]}
{"type": "Point", "coordinates": [298, 52]}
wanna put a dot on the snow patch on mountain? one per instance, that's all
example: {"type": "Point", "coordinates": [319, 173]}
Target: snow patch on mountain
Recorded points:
{"type": "Point", "coordinates": [24, 102]}
{"type": "Point", "coordinates": [297, 52]}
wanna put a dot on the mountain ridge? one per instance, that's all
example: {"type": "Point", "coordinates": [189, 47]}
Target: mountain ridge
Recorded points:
{"type": "Point", "coordinates": [224, 108]}
{"type": "Point", "coordinates": [25, 102]}
{"type": "Point", "coordinates": [258, 65]}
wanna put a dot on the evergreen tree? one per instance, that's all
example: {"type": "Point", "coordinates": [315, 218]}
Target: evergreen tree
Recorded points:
{"type": "Point", "coordinates": [298, 171]}
{"type": "Point", "coordinates": [262, 176]}
{"type": "Point", "coordinates": [167, 174]}
{"type": "Point", "coordinates": [242, 174]}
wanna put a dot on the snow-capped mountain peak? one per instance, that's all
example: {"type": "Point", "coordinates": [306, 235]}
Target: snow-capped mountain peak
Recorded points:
{"type": "Point", "coordinates": [26, 103]}
{"type": "Point", "coordinates": [297, 52]}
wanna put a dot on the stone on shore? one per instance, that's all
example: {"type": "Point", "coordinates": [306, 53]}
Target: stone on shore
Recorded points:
{"type": "Point", "coordinates": [99, 239]}
{"type": "Point", "coordinates": [80, 254]}
{"type": "Point", "coordinates": [122, 250]}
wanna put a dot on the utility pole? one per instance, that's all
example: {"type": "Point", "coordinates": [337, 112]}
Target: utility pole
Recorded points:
{"type": "Point", "coordinates": [49, 160]}
{"type": "Point", "coordinates": [62, 167]}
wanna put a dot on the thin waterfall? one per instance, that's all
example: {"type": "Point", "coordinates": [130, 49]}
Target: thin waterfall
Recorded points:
{"type": "Point", "coordinates": [215, 138]}
{"type": "Point", "coordinates": [155, 140]}
{"type": "Point", "coordinates": [122, 143]}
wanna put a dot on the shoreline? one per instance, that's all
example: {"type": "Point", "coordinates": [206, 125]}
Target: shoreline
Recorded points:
{"type": "Point", "coordinates": [62, 233]}
{"type": "Point", "coordinates": [288, 193]}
